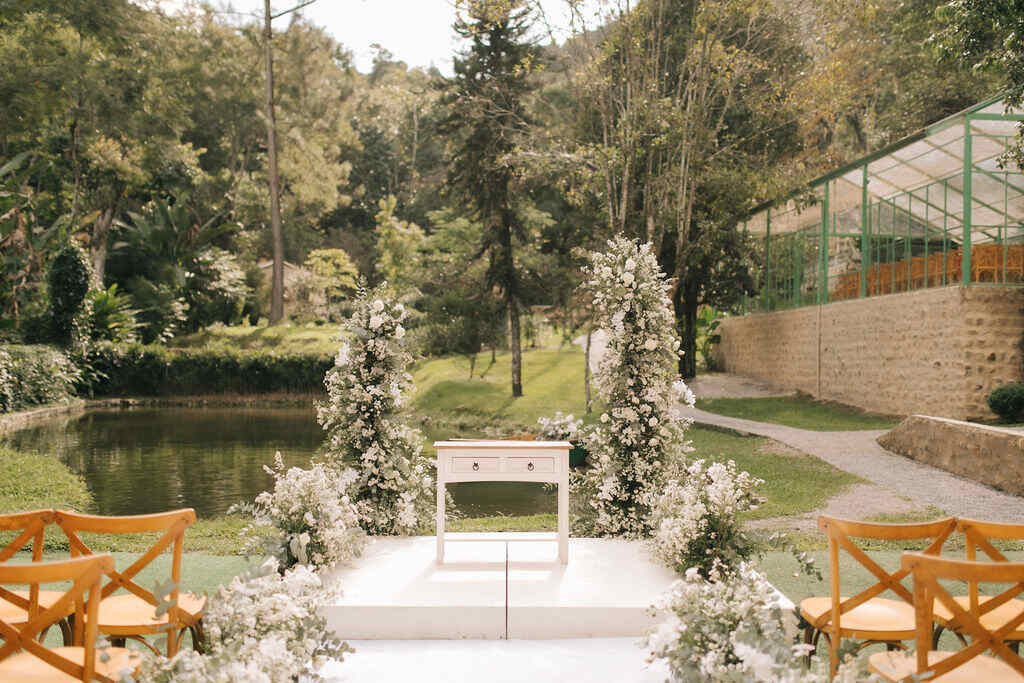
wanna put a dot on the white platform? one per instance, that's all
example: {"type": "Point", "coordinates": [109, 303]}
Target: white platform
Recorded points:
{"type": "Point", "coordinates": [489, 590]}
{"type": "Point", "coordinates": [599, 660]}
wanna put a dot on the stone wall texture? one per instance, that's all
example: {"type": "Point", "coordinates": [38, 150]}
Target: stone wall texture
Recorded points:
{"type": "Point", "coordinates": [936, 351]}
{"type": "Point", "coordinates": [987, 455]}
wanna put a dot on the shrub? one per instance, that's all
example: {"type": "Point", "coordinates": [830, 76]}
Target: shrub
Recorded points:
{"type": "Point", "coordinates": [215, 289]}
{"type": "Point", "coordinates": [366, 390]}
{"type": "Point", "coordinates": [138, 370]}
{"type": "Point", "coordinates": [309, 515]}
{"type": "Point", "coordinates": [68, 284]}
{"type": "Point", "coordinates": [35, 376]}
{"type": "Point", "coordinates": [1007, 401]}
{"type": "Point", "coordinates": [111, 317]}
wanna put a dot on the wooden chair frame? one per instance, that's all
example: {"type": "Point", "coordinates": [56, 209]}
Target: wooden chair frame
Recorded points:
{"type": "Point", "coordinates": [977, 535]}
{"type": "Point", "coordinates": [32, 526]}
{"type": "Point", "coordinates": [927, 590]}
{"type": "Point", "coordinates": [839, 532]}
{"type": "Point", "coordinates": [85, 574]}
{"type": "Point", "coordinates": [173, 524]}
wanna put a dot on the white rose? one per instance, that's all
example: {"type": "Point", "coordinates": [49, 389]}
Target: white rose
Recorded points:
{"type": "Point", "coordinates": [376, 321]}
{"type": "Point", "coordinates": [399, 332]}
{"type": "Point", "coordinates": [627, 278]}
{"type": "Point", "coordinates": [651, 344]}
{"type": "Point", "coordinates": [378, 306]}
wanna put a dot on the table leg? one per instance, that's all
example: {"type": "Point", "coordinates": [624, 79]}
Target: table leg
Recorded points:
{"type": "Point", "coordinates": [563, 522]}
{"type": "Point", "coordinates": [440, 520]}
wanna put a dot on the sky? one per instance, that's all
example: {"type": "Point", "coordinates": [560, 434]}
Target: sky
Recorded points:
{"type": "Point", "coordinates": [417, 32]}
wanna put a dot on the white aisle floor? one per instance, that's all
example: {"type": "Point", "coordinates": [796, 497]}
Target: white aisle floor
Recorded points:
{"type": "Point", "coordinates": [587, 660]}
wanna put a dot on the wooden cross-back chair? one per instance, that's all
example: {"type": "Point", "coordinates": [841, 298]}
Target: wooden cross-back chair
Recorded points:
{"type": "Point", "coordinates": [24, 658]}
{"type": "Point", "coordinates": [970, 663]}
{"type": "Point", "coordinates": [993, 610]}
{"type": "Point", "coordinates": [18, 606]}
{"type": "Point", "coordinates": [866, 616]}
{"type": "Point", "coordinates": [133, 614]}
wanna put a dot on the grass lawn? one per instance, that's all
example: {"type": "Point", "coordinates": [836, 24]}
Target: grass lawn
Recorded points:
{"type": "Point", "coordinates": [801, 412]}
{"type": "Point", "coordinates": [285, 338]}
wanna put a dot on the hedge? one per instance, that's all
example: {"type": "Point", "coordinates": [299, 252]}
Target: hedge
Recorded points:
{"type": "Point", "coordinates": [33, 376]}
{"type": "Point", "coordinates": [138, 370]}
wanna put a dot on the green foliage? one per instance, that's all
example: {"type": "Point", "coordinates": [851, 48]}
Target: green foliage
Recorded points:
{"type": "Point", "coordinates": [708, 321]}
{"type": "Point", "coordinates": [215, 289]}
{"type": "Point", "coordinates": [138, 370]}
{"type": "Point", "coordinates": [461, 323]}
{"type": "Point", "coordinates": [397, 242]}
{"type": "Point", "coordinates": [987, 36]}
{"type": "Point", "coordinates": [337, 272]}
{"type": "Point", "coordinates": [111, 317]}
{"type": "Point", "coordinates": [34, 376]}
{"type": "Point", "coordinates": [1007, 401]}
{"type": "Point", "coordinates": [68, 284]}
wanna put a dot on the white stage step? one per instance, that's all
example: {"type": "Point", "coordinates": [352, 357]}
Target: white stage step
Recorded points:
{"type": "Point", "coordinates": [494, 590]}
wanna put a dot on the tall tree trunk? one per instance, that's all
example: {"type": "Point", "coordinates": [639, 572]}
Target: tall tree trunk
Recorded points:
{"type": "Point", "coordinates": [586, 369]}
{"type": "Point", "coordinates": [684, 301]}
{"type": "Point", "coordinates": [515, 345]}
{"type": "Point", "coordinates": [98, 244]}
{"type": "Point", "coordinates": [277, 279]}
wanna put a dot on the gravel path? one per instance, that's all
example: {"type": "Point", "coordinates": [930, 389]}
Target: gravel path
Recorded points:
{"type": "Point", "coordinates": [859, 454]}
{"type": "Point", "coordinates": [896, 479]}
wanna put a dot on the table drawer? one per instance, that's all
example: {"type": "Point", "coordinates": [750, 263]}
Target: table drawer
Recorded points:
{"type": "Point", "coordinates": [540, 464]}
{"type": "Point", "coordinates": [462, 464]}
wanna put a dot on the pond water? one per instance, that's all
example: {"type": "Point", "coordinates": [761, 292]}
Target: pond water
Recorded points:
{"type": "Point", "coordinates": [141, 460]}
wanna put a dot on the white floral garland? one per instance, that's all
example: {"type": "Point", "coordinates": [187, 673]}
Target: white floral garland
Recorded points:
{"type": "Point", "coordinates": [643, 429]}
{"type": "Point", "coordinates": [366, 390]}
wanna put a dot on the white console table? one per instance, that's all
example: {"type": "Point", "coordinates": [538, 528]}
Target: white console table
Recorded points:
{"type": "Point", "coordinates": [539, 461]}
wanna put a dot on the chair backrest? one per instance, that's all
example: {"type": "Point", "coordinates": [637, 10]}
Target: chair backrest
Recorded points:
{"type": "Point", "coordinates": [979, 535]}
{"type": "Point", "coordinates": [927, 572]}
{"type": "Point", "coordinates": [85, 575]}
{"type": "Point", "coordinates": [28, 526]}
{"type": "Point", "coordinates": [840, 531]}
{"type": "Point", "coordinates": [172, 524]}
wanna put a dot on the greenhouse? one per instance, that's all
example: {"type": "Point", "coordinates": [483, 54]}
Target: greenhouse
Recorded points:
{"type": "Point", "coordinates": [941, 207]}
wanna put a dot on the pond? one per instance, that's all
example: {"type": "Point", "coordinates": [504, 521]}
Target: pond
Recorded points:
{"type": "Point", "coordinates": [141, 460]}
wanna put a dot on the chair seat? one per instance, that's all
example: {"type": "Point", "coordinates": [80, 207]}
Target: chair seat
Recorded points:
{"type": "Point", "coordinates": [876, 619]}
{"type": "Point", "coordinates": [991, 620]}
{"type": "Point", "coordinates": [897, 666]}
{"type": "Point", "coordinates": [29, 668]}
{"type": "Point", "coordinates": [128, 614]}
{"type": "Point", "coordinates": [12, 614]}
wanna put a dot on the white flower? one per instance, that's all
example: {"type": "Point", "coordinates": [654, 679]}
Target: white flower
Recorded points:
{"type": "Point", "coordinates": [651, 344]}
{"type": "Point", "coordinates": [399, 332]}
{"type": "Point", "coordinates": [628, 278]}
{"type": "Point", "coordinates": [378, 306]}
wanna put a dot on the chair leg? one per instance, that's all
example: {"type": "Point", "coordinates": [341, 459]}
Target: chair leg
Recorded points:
{"type": "Point", "coordinates": [66, 632]}
{"type": "Point", "coordinates": [810, 638]}
{"type": "Point", "coordinates": [936, 634]}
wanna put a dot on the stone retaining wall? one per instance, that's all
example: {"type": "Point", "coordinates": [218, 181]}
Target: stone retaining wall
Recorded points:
{"type": "Point", "coordinates": [988, 455]}
{"type": "Point", "coordinates": [937, 351]}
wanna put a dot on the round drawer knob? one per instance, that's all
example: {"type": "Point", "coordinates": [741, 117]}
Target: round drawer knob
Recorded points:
{"type": "Point", "coordinates": [476, 466]}
{"type": "Point", "coordinates": [530, 467]}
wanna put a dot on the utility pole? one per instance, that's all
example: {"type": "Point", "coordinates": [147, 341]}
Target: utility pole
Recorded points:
{"type": "Point", "coordinates": [277, 278]}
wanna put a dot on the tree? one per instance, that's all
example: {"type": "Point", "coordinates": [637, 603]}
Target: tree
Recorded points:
{"type": "Point", "coordinates": [339, 275]}
{"type": "Point", "coordinates": [486, 116]}
{"type": "Point", "coordinates": [397, 242]}
{"type": "Point", "coordinates": [988, 36]}
{"type": "Point", "coordinates": [688, 120]}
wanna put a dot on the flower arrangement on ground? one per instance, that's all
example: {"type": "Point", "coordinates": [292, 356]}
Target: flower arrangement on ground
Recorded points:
{"type": "Point", "coordinates": [308, 517]}
{"type": "Point", "coordinates": [643, 428]}
{"type": "Point", "coordinates": [729, 627]}
{"type": "Point", "coordinates": [262, 628]}
{"type": "Point", "coordinates": [366, 390]}
{"type": "Point", "coordinates": [696, 518]}
{"type": "Point", "coordinates": [559, 428]}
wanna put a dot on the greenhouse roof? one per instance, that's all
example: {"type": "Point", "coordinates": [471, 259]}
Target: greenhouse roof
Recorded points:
{"type": "Point", "coordinates": [923, 173]}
